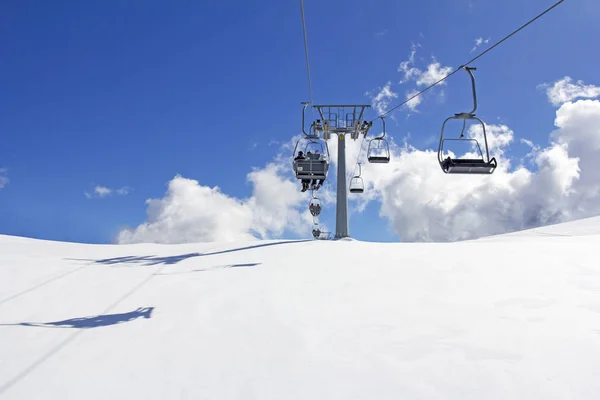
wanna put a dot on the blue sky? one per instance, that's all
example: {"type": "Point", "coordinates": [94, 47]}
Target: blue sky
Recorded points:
{"type": "Point", "coordinates": [129, 94]}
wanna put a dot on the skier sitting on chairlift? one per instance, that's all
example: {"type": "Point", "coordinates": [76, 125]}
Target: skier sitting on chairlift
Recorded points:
{"type": "Point", "coordinates": [316, 233]}
{"type": "Point", "coordinates": [321, 157]}
{"type": "Point", "coordinates": [305, 182]}
{"type": "Point", "coordinates": [315, 210]}
{"type": "Point", "coordinates": [312, 184]}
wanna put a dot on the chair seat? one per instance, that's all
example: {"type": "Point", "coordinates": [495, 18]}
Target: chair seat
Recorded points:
{"type": "Point", "coordinates": [311, 169]}
{"type": "Point", "coordinates": [379, 159]}
{"type": "Point", "coordinates": [468, 166]}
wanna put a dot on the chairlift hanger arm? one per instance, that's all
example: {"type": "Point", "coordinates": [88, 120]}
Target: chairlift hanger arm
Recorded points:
{"type": "Point", "coordinates": [383, 122]}
{"type": "Point", "coordinates": [303, 109]}
{"type": "Point", "coordinates": [469, 69]}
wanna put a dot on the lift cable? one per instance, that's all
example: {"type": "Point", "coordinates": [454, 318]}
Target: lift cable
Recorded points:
{"type": "Point", "coordinates": [306, 53]}
{"type": "Point", "coordinates": [471, 61]}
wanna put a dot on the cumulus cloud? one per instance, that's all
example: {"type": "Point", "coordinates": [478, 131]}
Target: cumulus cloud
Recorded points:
{"type": "Point", "coordinates": [3, 177]}
{"type": "Point", "coordinates": [565, 90]}
{"type": "Point", "coordinates": [191, 212]}
{"type": "Point", "coordinates": [103, 191]}
{"type": "Point", "coordinates": [424, 204]}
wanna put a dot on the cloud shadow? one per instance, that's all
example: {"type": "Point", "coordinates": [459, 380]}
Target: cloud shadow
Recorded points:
{"type": "Point", "coordinates": [94, 321]}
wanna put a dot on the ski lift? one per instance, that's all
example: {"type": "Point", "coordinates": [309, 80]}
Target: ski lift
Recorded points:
{"type": "Point", "coordinates": [467, 166]}
{"type": "Point", "coordinates": [315, 206]}
{"type": "Point", "coordinates": [356, 183]}
{"type": "Point", "coordinates": [379, 150]}
{"type": "Point", "coordinates": [319, 234]}
{"type": "Point", "coordinates": [314, 154]}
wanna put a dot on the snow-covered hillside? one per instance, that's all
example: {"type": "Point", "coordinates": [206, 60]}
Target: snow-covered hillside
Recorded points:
{"type": "Point", "coordinates": [509, 317]}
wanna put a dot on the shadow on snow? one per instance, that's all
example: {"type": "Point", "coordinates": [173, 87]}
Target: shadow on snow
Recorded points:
{"type": "Point", "coordinates": [211, 268]}
{"type": "Point", "coordinates": [95, 321]}
{"type": "Point", "coordinates": [169, 260]}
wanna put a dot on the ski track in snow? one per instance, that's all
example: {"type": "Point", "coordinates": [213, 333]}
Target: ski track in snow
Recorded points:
{"type": "Point", "coordinates": [511, 316]}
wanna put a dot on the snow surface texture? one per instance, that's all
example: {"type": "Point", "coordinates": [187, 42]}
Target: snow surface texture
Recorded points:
{"type": "Point", "coordinates": [514, 316]}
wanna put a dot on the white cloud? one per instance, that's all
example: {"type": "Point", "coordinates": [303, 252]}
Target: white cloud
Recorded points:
{"type": "Point", "coordinates": [478, 42]}
{"type": "Point", "coordinates": [191, 212]}
{"type": "Point", "coordinates": [565, 90]}
{"type": "Point", "coordinates": [382, 99]}
{"type": "Point", "coordinates": [412, 104]}
{"type": "Point", "coordinates": [407, 67]}
{"type": "Point", "coordinates": [123, 191]}
{"type": "Point", "coordinates": [422, 203]}
{"type": "Point", "coordinates": [103, 191]}
{"type": "Point", "coordinates": [433, 72]}
{"type": "Point", "coordinates": [3, 177]}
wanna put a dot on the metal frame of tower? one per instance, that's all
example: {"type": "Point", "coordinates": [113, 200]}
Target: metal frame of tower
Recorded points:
{"type": "Point", "coordinates": [342, 120]}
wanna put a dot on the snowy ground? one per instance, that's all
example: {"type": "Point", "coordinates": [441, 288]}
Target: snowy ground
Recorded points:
{"type": "Point", "coordinates": [508, 317]}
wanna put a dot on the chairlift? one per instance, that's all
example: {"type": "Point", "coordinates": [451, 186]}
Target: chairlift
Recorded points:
{"type": "Point", "coordinates": [467, 165]}
{"type": "Point", "coordinates": [356, 183]}
{"type": "Point", "coordinates": [379, 150]}
{"type": "Point", "coordinates": [315, 206]}
{"type": "Point", "coordinates": [316, 232]}
{"type": "Point", "coordinates": [314, 163]}
{"type": "Point", "coordinates": [319, 234]}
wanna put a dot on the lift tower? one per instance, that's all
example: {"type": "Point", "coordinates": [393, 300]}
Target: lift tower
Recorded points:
{"type": "Point", "coordinates": [342, 120]}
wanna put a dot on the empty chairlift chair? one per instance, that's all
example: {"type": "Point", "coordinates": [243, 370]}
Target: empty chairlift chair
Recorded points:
{"type": "Point", "coordinates": [356, 183]}
{"type": "Point", "coordinates": [379, 150]}
{"type": "Point", "coordinates": [479, 165]}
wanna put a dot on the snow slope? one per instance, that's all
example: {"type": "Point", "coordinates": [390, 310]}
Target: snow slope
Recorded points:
{"type": "Point", "coordinates": [510, 317]}
{"type": "Point", "coordinates": [582, 227]}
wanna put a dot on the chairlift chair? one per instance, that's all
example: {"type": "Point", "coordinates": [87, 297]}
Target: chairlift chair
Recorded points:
{"type": "Point", "coordinates": [463, 165]}
{"type": "Point", "coordinates": [315, 206]}
{"type": "Point", "coordinates": [379, 150]}
{"type": "Point", "coordinates": [317, 165]}
{"type": "Point", "coordinates": [318, 234]}
{"type": "Point", "coordinates": [356, 183]}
